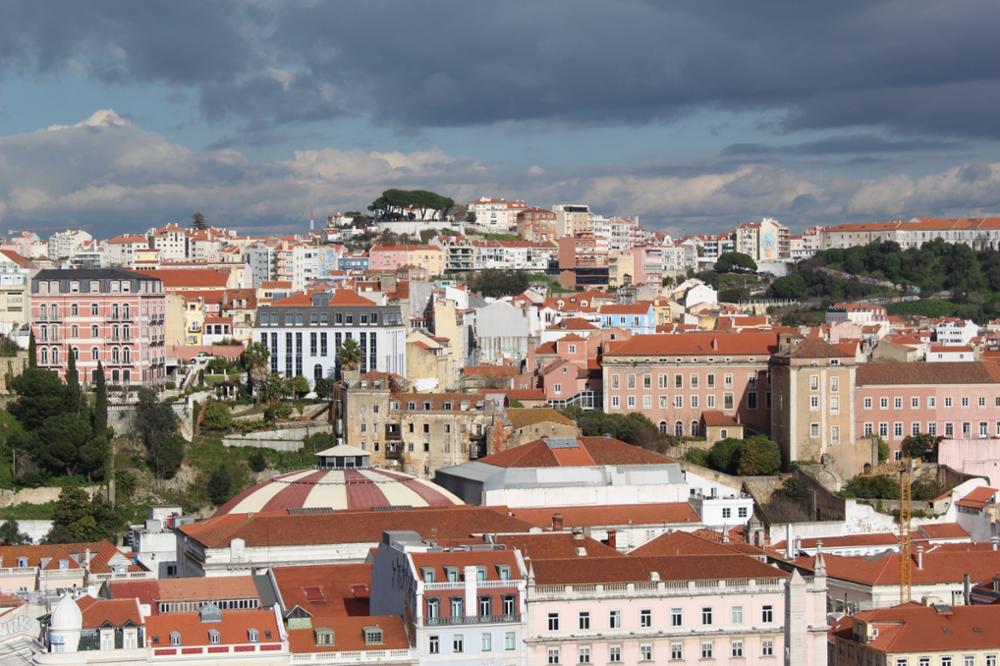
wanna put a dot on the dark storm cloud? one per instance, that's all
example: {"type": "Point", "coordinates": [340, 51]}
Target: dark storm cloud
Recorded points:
{"type": "Point", "coordinates": [914, 66]}
{"type": "Point", "coordinates": [844, 145]}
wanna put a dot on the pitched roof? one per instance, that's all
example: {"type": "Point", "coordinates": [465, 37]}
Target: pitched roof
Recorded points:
{"type": "Point", "coordinates": [686, 543]}
{"type": "Point", "coordinates": [233, 628]}
{"type": "Point", "coordinates": [349, 635]}
{"type": "Point", "coordinates": [609, 515]}
{"type": "Point", "coordinates": [178, 278]}
{"type": "Point", "coordinates": [946, 563]}
{"type": "Point", "coordinates": [556, 545]}
{"type": "Point", "coordinates": [816, 348]}
{"type": "Point", "coordinates": [913, 628]}
{"type": "Point", "coordinates": [116, 612]}
{"type": "Point", "coordinates": [711, 343]}
{"type": "Point", "coordinates": [640, 569]}
{"type": "Point", "coordinates": [977, 497]}
{"type": "Point", "coordinates": [959, 372]}
{"type": "Point", "coordinates": [520, 417]}
{"type": "Point", "coordinates": [944, 531]}
{"type": "Point", "coordinates": [326, 591]}
{"type": "Point", "coordinates": [584, 451]}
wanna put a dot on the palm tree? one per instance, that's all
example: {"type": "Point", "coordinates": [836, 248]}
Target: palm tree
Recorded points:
{"type": "Point", "coordinates": [255, 360]}
{"type": "Point", "coordinates": [350, 354]}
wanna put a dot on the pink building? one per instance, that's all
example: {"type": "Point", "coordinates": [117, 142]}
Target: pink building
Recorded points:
{"type": "Point", "coordinates": [394, 257]}
{"type": "Point", "coordinates": [721, 607]}
{"type": "Point", "coordinates": [954, 400]}
{"type": "Point", "coordinates": [110, 316]}
{"type": "Point", "coordinates": [673, 378]}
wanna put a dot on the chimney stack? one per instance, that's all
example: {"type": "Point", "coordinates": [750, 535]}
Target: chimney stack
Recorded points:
{"type": "Point", "coordinates": [995, 541]}
{"type": "Point", "coordinates": [613, 539]}
{"type": "Point", "coordinates": [920, 557]}
{"type": "Point", "coordinates": [967, 589]}
{"type": "Point", "coordinates": [577, 535]}
{"type": "Point", "coordinates": [557, 522]}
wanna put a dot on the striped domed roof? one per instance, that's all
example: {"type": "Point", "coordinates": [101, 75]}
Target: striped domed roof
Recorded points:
{"type": "Point", "coordinates": [339, 489]}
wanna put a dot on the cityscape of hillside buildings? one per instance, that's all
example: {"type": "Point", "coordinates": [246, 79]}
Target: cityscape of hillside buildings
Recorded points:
{"type": "Point", "coordinates": [463, 515]}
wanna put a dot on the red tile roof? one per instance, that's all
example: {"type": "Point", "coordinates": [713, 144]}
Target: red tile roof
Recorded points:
{"type": "Point", "coordinates": [944, 531]}
{"type": "Point", "coordinates": [959, 372]}
{"type": "Point", "coordinates": [685, 543]}
{"type": "Point", "coordinates": [977, 498]}
{"type": "Point", "coordinates": [233, 629]}
{"type": "Point", "coordinates": [556, 545]}
{"type": "Point", "coordinates": [589, 451]}
{"type": "Point", "coordinates": [179, 278]}
{"type": "Point", "coordinates": [915, 629]}
{"type": "Point", "coordinates": [326, 591]}
{"type": "Point", "coordinates": [607, 516]}
{"type": "Point", "coordinates": [640, 569]}
{"type": "Point", "coordinates": [349, 635]}
{"type": "Point", "coordinates": [744, 343]}
{"type": "Point", "coordinates": [942, 564]}
{"type": "Point", "coordinates": [115, 612]}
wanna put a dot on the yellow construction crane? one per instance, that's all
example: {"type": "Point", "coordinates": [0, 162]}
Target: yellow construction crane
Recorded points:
{"type": "Point", "coordinates": [905, 537]}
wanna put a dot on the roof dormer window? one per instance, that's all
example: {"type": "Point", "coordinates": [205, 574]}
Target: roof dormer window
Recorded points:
{"type": "Point", "coordinates": [175, 638]}
{"type": "Point", "coordinates": [324, 636]}
{"type": "Point", "coordinates": [452, 574]}
{"type": "Point", "coordinates": [428, 575]}
{"type": "Point", "coordinates": [373, 635]}
{"type": "Point", "coordinates": [253, 635]}
{"type": "Point", "coordinates": [213, 636]}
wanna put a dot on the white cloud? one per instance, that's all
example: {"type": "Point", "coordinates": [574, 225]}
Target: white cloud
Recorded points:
{"type": "Point", "coordinates": [100, 118]}
{"type": "Point", "coordinates": [536, 170]}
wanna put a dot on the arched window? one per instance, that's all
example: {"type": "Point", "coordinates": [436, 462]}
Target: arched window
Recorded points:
{"type": "Point", "coordinates": [115, 356]}
{"type": "Point", "coordinates": [317, 372]}
{"type": "Point", "coordinates": [694, 428]}
{"type": "Point", "coordinates": [125, 311]}
{"type": "Point", "coordinates": [55, 311]}
{"type": "Point", "coordinates": [76, 353]}
{"type": "Point", "coordinates": [43, 333]}
{"type": "Point", "coordinates": [74, 309]}
{"type": "Point", "coordinates": [74, 331]}
{"type": "Point", "coordinates": [95, 354]}
{"type": "Point", "coordinates": [55, 356]}
{"type": "Point", "coordinates": [95, 331]}
{"type": "Point", "coordinates": [663, 427]}
{"type": "Point", "coordinates": [43, 357]}
{"type": "Point", "coordinates": [126, 355]}
{"type": "Point", "coordinates": [679, 428]}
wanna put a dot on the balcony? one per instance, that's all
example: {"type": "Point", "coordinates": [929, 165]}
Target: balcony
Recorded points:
{"type": "Point", "coordinates": [471, 619]}
{"type": "Point", "coordinates": [393, 431]}
{"type": "Point", "coordinates": [394, 450]}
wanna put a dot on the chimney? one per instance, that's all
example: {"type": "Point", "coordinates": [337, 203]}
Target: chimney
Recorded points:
{"type": "Point", "coordinates": [654, 576]}
{"type": "Point", "coordinates": [612, 539]}
{"type": "Point", "coordinates": [967, 589]}
{"type": "Point", "coordinates": [920, 557]}
{"type": "Point", "coordinates": [577, 535]}
{"type": "Point", "coordinates": [557, 522]}
{"type": "Point", "coordinates": [995, 541]}
{"type": "Point", "coordinates": [86, 558]}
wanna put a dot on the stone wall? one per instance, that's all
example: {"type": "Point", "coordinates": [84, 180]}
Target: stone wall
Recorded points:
{"type": "Point", "coordinates": [283, 439]}
{"type": "Point", "coordinates": [41, 495]}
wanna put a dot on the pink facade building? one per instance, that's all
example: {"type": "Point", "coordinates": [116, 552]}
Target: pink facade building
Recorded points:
{"type": "Point", "coordinates": [108, 316]}
{"type": "Point", "coordinates": [954, 400]}
{"type": "Point", "coordinates": [674, 378]}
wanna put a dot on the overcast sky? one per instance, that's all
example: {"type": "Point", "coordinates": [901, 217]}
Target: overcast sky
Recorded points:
{"type": "Point", "coordinates": [118, 115]}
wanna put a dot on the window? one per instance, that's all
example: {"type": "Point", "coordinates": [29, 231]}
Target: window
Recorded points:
{"type": "Point", "coordinates": [175, 638]}
{"type": "Point", "coordinates": [736, 648]}
{"type": "Point", "coordinates": [676, 617]}
{"type": "Point", "coordinates": [583, 654]}
{"type": "Point", "coordinates": [647, 381]}
{"type": "Point", "coordinates": [615, 619]}
{"type": "Point", "coordinates": [946, 661]}
{"type": "Point", "coordinates": [457, 605]}
{"type": "Point", "coordinates": [487, 642]}
{"type": "Point", "coordinates": [213, 636]}
{"type": "Point", "coordinates": [897, 403]}
{"type": "Point", "coordinates": [947, 402]}
{"type": "Point", "coordinates": [767, 647]}
{"type": "Point", "coordinates": [814, 430]}
{"type": "Point", "coordinates": [253, 635]}
{"type": "Point", "coordinates": [767, 614]}
{"type": "Point", "coordinates": [706, 615]}
{"type": "Point", "coordinates": [458, 644]}
{"type": "Point", "coordinates": [553, 655]}
{"type": "Point", "coordinates": [615, 653]}
{"type": "Point", "coordinates": [645, 618]}
{"type": "Point", "coordinates": [676, 651]}
{"type": "Point", "coordinates": [814, 402]}
{"type": "Point", "coordinates": [509, 641]}
{"type": "Point", "coordinates": [584, 620]}
{"type": "Point", "coordinates": [508, 605]}
{"type": "Point", "coordinates": [965, 403]}
{"type": "Point", "coordinates": [433, 608]}
{"type": "Point", "coordinates": [485, 606]}
{"type": "Point", "coordinates": [434, 645]}
{"type": "Point", "coordinates": [707, 649]}
{"type": "Point", "coordinates": [883, 403]}
{"type": "Point", "coordinates": [835, 435]}
{"type": "Point", "coordinates": [868, 403]}
{"type": "Point", "coordinates": [883, 429]}
{"type": "Point", "coordinates": [897, 430]}
{"type": "Point", "coordinates": [813, 382]}
{"type": "Point", "coordinates": [324, 636]}
{"type": "Point", "coordinates": [869, 428]}
{"type": "Point", "coordinates": [646, 652]}
{"type": "Point", "coordinates": [727, 512]}
{"type": "Point", "coordinates": [736, 615]}
{"type": "Point", "coordinates": [553, 621]}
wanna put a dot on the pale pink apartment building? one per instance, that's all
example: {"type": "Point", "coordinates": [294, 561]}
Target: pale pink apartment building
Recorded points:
{"type": "Point", "coordinates": [674, 378]}
{"type": "Point", "coordinates": [108, 316]}
{"type": "Point", "coordinates": [953, 400]}
{"type": "Point", "coordinates": [394, 257]}
{"type": "Point", "coordinates": [696, 608]}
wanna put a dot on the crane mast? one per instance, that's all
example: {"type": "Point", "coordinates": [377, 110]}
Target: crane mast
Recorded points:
{"type": "Point", "coordinates": [905, 536]}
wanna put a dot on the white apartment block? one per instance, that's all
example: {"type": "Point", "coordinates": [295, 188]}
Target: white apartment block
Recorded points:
{"type": "Point", "coordinates": [498, 214]}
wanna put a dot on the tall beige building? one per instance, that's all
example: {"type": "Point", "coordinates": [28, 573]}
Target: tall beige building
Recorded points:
{"type": "Point", "coordinates": [812, 400]}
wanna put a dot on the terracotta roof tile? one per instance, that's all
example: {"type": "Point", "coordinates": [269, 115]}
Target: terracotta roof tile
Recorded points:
{"type": "Point", "coordinates": [589, 451]}
{"type": "Point", "coordinates": [640, 569]}
{"type": "Point", "coordinates": [607, 516]}
{"type": "Point", "coordinates": [744, 343]}
{"type": "Point", "coordinates": [960, 372]}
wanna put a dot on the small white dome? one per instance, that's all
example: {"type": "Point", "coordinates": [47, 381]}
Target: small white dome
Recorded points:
{"type": "Point", "coordinates": [67, 615]}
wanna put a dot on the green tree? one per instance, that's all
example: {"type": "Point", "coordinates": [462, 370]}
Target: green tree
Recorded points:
{"type": "Point", "coordinates": [220, 485]}
{"type": "Point", "coordinates": [324, 388]}
{"type": "Point", "coordinates": [72, 519]}
{"type": "Point", "coordinates": [298, 385]}
{"type": "Point", "coordinates": [217, 416]}
{"type": "Point", "coordinates": [735, 262]}
{"type": "Point", "coordinates": [470, 216]}
{"type": "Point", "coordinates": [198, 222]}
{"type": "Point", "coordinates": [496, 283]}
{"type": "Point", "coordinates": [349, 354]}
{"type": "Point", "coordinates": [794, 489]}
{"type": "Point", "coordinates": [392, 204]}
{"type": "Point", "coordinates": [75, 400]}
{"type": "Point", "coordinates": [760, 456]}
{"type": "Point", "coordinates": [32, 351]}
{"type": "Point", "coordinates": [40, 395]}
{"type": "Point", "coordinates": [166, 456]}
{"type": "Point", "coordinates": [257, 461]}
{"type": "Point", "coordinates": [272, 389]}
{"type": "Point", "coordinates": [920, 446]}
{"type": "Point", "coordinates": [790, 287]}
{"type": "Point", "coordinates": [255, 360]}
{"type": "Point", "coordinates": [11, 535]}
{"type": "Point", "coordinates": [100, 401]}
{"type": "Point", "coordinates": [883, 449]}
{"type": "Point", "coordinates": [725, 454]}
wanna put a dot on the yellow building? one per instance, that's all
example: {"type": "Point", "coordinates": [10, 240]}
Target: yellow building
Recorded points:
{"type": "Point", "coordinates": [430, 365]}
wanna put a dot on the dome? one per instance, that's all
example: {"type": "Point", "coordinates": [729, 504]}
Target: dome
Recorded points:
{"type": "Point", "coordinates": [67, 616]}
{"type": "Point", "coordinates": [341, 480]}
